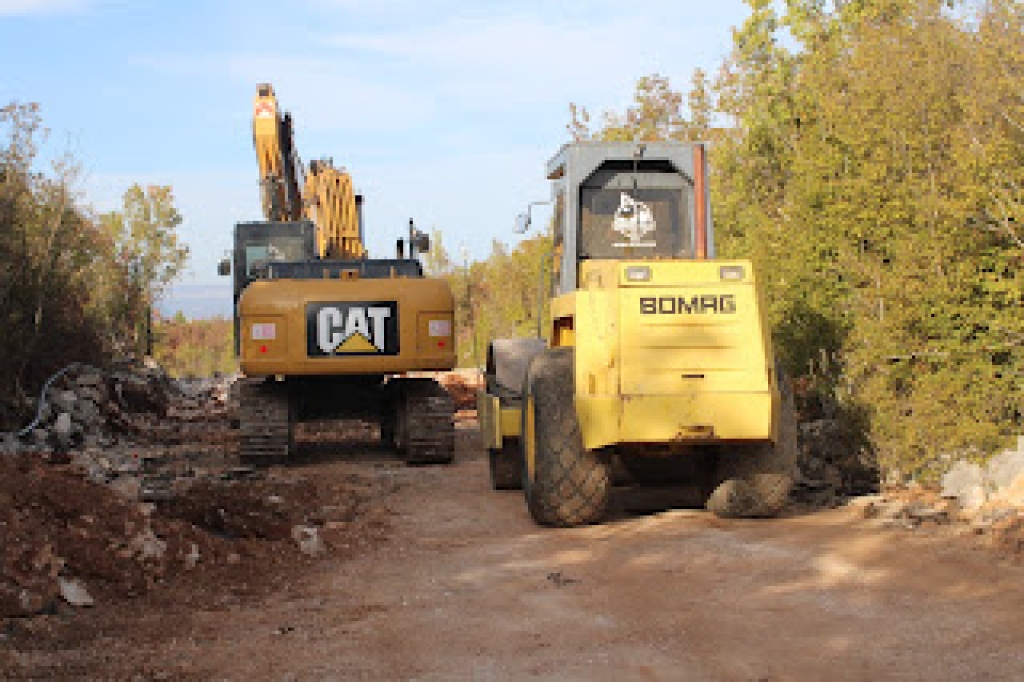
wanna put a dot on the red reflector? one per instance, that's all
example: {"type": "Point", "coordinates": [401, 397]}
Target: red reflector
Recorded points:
{"type": "Point", "coordinates": [263, 349]}
{"type": "Point", "coordinates": [440, 344]}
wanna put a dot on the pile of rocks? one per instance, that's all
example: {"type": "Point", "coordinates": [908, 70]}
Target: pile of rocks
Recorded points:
{"type": "Point", "coordinates": [132, 426]}
{"type": "Point", "coordinates": [983, 500]}
{"type": "Point", "coordinates": [128, 403]}
{"type": "Point", "coordinates": [997, 483]}
{"type": "Point", "coordinates": [832, 464]}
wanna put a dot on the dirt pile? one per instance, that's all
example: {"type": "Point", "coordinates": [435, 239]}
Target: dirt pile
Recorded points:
{"type": "Point", "coordinates": [463, 385]}
{"type": "Point", "coordinates": [66, 539]}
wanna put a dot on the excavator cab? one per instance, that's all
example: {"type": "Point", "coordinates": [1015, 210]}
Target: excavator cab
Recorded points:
{"type": "Point", "coordinates": [257, 243]}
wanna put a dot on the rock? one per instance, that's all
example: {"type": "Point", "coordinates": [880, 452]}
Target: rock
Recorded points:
{"type": "Point", "coordinates": [127, 487]}
{"type": "Point", "coordinates": [965, 481]}
{"type": "Point", "coordinates": [87, 412]}
{"type": "Point", "coordinates": [192, 558]}
{"type": "Point", "coordinates": [63, 429]}
{"type": "Point", "coordinates": [147, 545]}
{"type": "Point", "coordinates": [973, 497]}
{"type": "Point", "coordinates": [862, 502]}
{"type": "Point", "coordinates": [234, 558]}
{"type": "Point", "coordinates": [9, 444]}
{"type": "Point", "coordinates": [1004, 469]}
{"type": "Point", "coordinates": [920, 511]}
{"type": "Point", "coordinates": [990, 515]}
{"type": "Point", "coordinates": [308, 539]}
{"type": "Point", "coordinates": [92, 394]}
{"type": "Point", "coordinates": [90, 380]}
{"type": "Point", "coordinates": [46, 561]}
{"type": "Point", "coordinates": [64, 401]}
{"type": "Point", "coordinates": [869, 506]}
{"type": "Point", "coordinates": [73, 592]}
{"type": "Point", "coordinates": [1012, 494]}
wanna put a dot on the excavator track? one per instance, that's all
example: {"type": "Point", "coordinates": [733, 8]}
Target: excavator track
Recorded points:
{"type": "Point", "coordinates": [264, 421]}
{"type": "Point", "coordinates": [424, 422]}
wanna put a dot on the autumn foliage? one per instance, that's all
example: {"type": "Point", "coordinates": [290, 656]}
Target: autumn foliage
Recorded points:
{"type": "Point", "coordinates": [194, 348]}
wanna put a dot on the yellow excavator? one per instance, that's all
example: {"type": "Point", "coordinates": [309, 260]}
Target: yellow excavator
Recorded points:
{"type": "Point", "coordinates": [323, 331]}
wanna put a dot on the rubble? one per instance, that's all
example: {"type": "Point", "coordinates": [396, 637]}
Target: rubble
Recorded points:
{"type": "Point", "coordinates": [915, 507]}
{"type": "Point", "coordinates": [125, 404]}
{"type": "Point", "coordinates": [127, 478]}
{"type": "Point", "coordinates": [1000, 480]}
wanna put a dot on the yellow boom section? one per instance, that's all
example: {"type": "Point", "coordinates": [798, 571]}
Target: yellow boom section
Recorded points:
{"type": "Point", "coordinates": [331, 205]}
{"type": "Point", "coordinates": [327, 198]}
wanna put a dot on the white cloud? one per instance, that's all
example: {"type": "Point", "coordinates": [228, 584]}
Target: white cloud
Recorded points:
{"type": "Point", "coordinates": [528, 59]}
{"type": "Point", "coordinates": [29, 7]}
{"type": "Point", "coordinates": [410, 74]}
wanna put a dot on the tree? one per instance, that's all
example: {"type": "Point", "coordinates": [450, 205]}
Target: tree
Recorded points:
{"type": "Point", "coordinates": [436, 261]}
{"type": "Point", "coordinates": [49, 250]}
{"type": "Point", "coordinates": [147, 246]}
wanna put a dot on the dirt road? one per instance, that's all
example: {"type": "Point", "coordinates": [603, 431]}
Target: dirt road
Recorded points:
{"type": "Point", "coordinates": [466, 587]}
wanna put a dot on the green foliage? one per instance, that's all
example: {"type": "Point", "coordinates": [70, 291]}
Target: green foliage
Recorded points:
{"type": "Point", "coordinates": [146, 247]}
{"type": "Point", "coordinates": [501, 297]}
{"type": "Point", "coordinates": [874, 174]}
{"type": "Point", "coordinates": [195, 348]}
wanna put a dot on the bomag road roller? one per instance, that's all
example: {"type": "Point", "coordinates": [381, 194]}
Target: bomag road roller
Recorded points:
{"type": "Point", "coordinates": [659, 370]}
{"type": "Point", "coordinates": [322, 331]}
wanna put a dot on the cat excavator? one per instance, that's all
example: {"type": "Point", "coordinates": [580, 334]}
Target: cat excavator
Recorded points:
{"type": "Point", "coordinates": [322, 330]}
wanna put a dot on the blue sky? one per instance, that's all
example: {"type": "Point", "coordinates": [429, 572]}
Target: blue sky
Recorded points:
{"type": "Point", "coordinates": [442, 111]}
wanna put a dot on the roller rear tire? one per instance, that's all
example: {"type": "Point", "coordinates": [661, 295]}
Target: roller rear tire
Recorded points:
{"type": "Point", "coordinates": [756, 479]}
{"type": "Point", "coordinates": [570, 485]}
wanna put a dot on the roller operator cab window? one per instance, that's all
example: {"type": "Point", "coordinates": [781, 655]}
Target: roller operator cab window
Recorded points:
{"type": "Point", "coordinates": [620, 221]}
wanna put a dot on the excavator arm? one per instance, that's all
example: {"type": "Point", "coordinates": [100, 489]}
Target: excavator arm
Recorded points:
{"type": "Point", "coordinates": [327, 198]}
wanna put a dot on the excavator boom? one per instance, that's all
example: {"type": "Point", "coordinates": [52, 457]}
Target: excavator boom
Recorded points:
{"type": "Point", "coordinates": [326, 198]}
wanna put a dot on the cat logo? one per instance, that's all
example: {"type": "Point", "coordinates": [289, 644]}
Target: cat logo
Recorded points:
{"type": "Point", "coordinates": [363, 328]}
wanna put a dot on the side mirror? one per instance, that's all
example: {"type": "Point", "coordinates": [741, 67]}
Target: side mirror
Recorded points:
{"type": "Point", "coordinates": [224, 267]}
{"type": "Point", "coordinates": [421, 241]}
{"type": "Point", "coordinates": [522, 223]}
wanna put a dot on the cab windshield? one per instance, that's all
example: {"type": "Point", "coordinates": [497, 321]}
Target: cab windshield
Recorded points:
{"type": "Point", "coordinates": [634, 216]}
